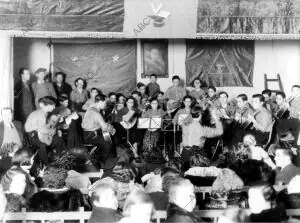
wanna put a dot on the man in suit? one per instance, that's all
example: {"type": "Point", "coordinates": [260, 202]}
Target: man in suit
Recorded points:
{"type": "Point", "coordinates": [42, 88]}
{"type": "Point", "coordinates": [24, 102]}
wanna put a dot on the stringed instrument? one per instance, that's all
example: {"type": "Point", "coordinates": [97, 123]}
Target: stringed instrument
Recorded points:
{"type": "Point", "coordinates": [128, 120]}
{"type": "Point", "coordinates": [281, 112]}
{"type": "Point", "coordinates": [107, 133]}
{"type": "Point", "coordinates": [246, 124]}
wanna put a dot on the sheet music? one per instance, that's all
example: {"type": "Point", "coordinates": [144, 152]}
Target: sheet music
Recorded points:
{"type": "Point", "coordinates": [150, 123]}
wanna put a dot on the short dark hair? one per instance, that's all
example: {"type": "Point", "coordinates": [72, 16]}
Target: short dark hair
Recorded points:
{"type": "Point", "coordinates": [243, 97]}
{"type": "Point", "coordinates": [62, 74]}
{"type": "Point", "coordinates": [78, 79]}
{"type": "Point", "coordinates": [40, 70]}
{"type": "Point", "coordinates": [47, 100]}
{"type": "Point", "coordinates": [187, 97]}
{"type": "Point", "coordinates": [296, 86]}
{"type": "Point", "coordinates": [223, 92]}
{"type": "Point", "coordinates": [140, 84]}
{"type": "Point", "coordinates": [62, 98]}
{"type": "Point", "coordinates": [21, 71]}
{"type": "Point", "coordinates": [100, 97]}
{"type": "Point", "coordinates": [135, 103]}
{"type": "Point", "coordinates": [160, 92]}
{"type": "Point", "coordinates": [153, 75]}
{"type": "Point", "coordinates": [136, 92]}
{"type": "Point", "coordinates": [267, 91]}
{"type": "Point", "coordinates": [213, 88]}
{"type": "Point", "coordinates": [111, 94]}
{"type": "Point", "coordinates": [175, 77]}
{"type": "Point", "coordinates": [259, 96]}
{"type": "Point", "coordinates": [22, 156]}
{"type": "Point", "coordinates": [282, 94]}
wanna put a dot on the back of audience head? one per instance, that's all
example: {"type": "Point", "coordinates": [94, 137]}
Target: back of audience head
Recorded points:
{"type": "Point", "coordinates": [103, 196]}
{"type": "Point", "coordinates": [14, 181]}
{"type": "Point", "coordinates": [294, 185]}
{"type": "Point", "coordinates": [233, 215]}
{"type": "Point", "coordinates": [181, 193]}
{"type": "Point", "coordinates": [138, 206]}
{"type": "Point", "coordinates": [54, 178]}
{"type": "Point", "coordinates": [283, 157]}
{"type": "Point", "coordinates": [261, 197]}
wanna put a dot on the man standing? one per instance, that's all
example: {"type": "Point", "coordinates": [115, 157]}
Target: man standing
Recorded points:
{"type": "Point", "coordinates": [41, 88]}
{"type": "Point", "coordinates": [153, 87]}
{"type": "Point", "coordinates": [175, 94]}
{"type": "Point", "coordinates": [60, 85]}
{"type": "Point", "coordinates": [24, 102]}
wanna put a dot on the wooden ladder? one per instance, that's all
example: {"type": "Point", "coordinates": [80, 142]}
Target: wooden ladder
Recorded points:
{"type": "Point", "coordinates": [278, 80]}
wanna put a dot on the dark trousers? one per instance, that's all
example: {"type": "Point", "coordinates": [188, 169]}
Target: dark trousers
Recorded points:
{"type": "Point", "coordinates": [104, 149]}
{"type": "Point", "coordinates": [44, 151]}
{"type": "Point", "coordinates": [292, 125]}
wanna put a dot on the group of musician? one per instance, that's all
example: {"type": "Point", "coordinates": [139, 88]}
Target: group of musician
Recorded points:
{"type": "Point", "coordinates": [57, 117]}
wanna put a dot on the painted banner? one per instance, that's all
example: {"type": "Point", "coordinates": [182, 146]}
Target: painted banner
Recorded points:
{"type": "Point", "coordinates": [62, 15]}
{"type": "Point", "coordinates": [160, 18]}
{"type": "Point", "coordinates": [220, 63]}
{"type": "Point", "coordinates": [248, 17]}
{"type": "Point", "coordinates": [109, 66]}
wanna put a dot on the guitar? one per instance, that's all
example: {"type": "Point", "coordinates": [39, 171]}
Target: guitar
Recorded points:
{"type": "Point", "coordinates": [128, 120]}
{"type": "Point", "coordinates": [46, 134]}
{"type": "Point", "coordinates": [107, 133]}
{"type": "Point", "coordinates": [281, 112]}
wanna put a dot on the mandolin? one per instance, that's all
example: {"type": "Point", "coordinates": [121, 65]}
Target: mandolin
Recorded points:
{"type": "Point", "coordinates": [128, 120]}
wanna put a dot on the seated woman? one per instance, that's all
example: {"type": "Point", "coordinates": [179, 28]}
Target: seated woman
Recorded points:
{"type": "Point", "coordinates": [22, 162]}
{"type": "Point", "coordinates": [14, 184]}
{"type": "Point", "coordinates": [151, 138]}
{"type": "Point", "coordinates": [263, 205]}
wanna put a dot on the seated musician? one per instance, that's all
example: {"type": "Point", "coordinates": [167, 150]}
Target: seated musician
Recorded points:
{"type": "Point", "coordinates": [212, 98]}
{"type": "Point", "coordinates": [121, 101]}
{"type": "Point", "coordinates": [225, 109]}
{"type": "Point", "coordinates": [110, 107]}
{"type": "Point", "coordinates": [11, 132]}
{"type": "Point", "coordinates": [194, 134]}
{"type": "Point", "coordinates": [174, 94]}
{"type": "Point", "coordinates": [94, 126]}
{"type": "Point", "coordinates": [138, 97]}
{"type": "Point", "coordinates": [93, 93]}
{"type": "Point", "coordinates": [197, 92]}
{"type": "Point", "coordinates": [269, 103]}
{"type": "Point", "coordinates": [291, 127]}
{"type": "Point", "coordinates": [141, 87]}
{"type": "Point", "coordinates": [282, 109]}
{"type": "Point", "coordinates": [183, 115]}
{"type": "Point", "coordinates": [69, 125]}
{"type": "Point", "coordinates": [261, 119]}
{"type": "Point", "coordinates": [243, 108]}
{"type": "Point", "coordinates": [151, 137]}
{"type": "Point", "coordinates": [161, 101]}
{"type": "Point", "coordinates": [41, 130]}
{"type": "Point", "coordinates": [125, 123]}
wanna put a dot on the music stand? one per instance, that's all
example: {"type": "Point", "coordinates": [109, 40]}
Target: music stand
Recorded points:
{"type": "Point", "coordinates": [153, 123]}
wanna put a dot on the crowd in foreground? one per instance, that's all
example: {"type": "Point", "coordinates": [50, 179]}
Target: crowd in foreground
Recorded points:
{"type": "Point", "coordinates": [63, 135]}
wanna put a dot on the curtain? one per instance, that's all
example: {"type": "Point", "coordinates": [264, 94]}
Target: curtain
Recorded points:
{"type": "Point", "coordinates": [220, 63]}
{"type": "Point", "coordinates": [6, 76]}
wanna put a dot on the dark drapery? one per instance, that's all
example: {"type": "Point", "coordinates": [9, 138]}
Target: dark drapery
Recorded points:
{"type": "Point", "coordinates": [62, 15]}
{"type": "Point", "coordinates": [220, 63]}
{"type": "Point", "coordinates": [110, 66]}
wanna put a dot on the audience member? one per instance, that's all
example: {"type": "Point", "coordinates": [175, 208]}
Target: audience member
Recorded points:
{"type": "Point", "coordinates": [182, 201]}
{"type": "Point", "coordinates": [105, 205]}
{"type": "Point", "coordinates": [153, 88]}
{"type": "Point", "coordinates": [138, 208]}
{"type": "Point", "coordinates": [61, 86]}
{"type": "Point", "coordinates": [79, 95]}
{"type": "Point", "coordinates": [283, 160]}
{"type": "Point", "coordinates": [263, 205]}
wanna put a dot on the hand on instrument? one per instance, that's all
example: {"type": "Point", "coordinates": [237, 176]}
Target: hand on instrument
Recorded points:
{"type": "Point", "coordinates": [251, 118]}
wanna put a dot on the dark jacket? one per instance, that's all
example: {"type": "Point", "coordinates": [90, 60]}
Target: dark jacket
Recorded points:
{"type": "Point", "coordinates": [277, 214]}
{"type": "Point", "coordinates": [176, 214]}
{"type": "Point", "coordinates": [18, 126]}
{"type": "Point", "coordinates": [65, 88]}
{"type": "Point", "coordinates": [24, 101]}
{"type": "Point", "coordinates": [286, 174]}
{"type": "Point", "coordinates": [104, 215]}
{"type": "Point", "coordinates": [160, 200]}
